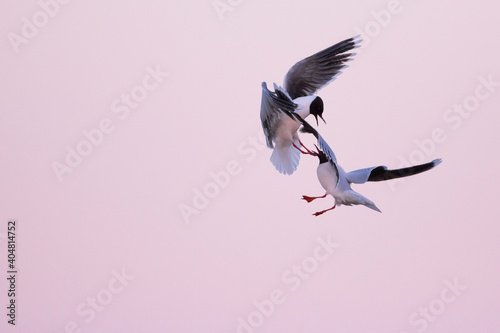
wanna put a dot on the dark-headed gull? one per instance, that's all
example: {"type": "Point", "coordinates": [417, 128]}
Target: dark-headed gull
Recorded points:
{"type": "Point", "coordinates": [337, 182]}
{"type": "Point", "coordinates": [298, 97]}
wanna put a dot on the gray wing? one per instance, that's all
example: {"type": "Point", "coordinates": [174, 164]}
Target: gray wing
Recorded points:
{"type": "Point", "coordinates": [274, 105]}
{"type": "Point", "coordinates": [325, 148]}
{"type": "Point", "coordinates": [380, 173]}
{"type": "Point", "coordinates": [311, 74]}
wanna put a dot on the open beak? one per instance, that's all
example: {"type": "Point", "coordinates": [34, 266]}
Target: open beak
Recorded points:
{"type": "Point", "coordinates": [317, 122]}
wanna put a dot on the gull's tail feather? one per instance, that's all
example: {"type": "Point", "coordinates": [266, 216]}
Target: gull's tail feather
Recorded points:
{"type": "Point", "coordinates": [371, 205]}
{"type": "Point", "coordinates": [354, 198]}
{"type": "Point", "coordinates": [286, 159]}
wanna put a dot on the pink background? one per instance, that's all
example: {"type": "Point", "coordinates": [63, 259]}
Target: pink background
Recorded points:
{"type": "Point", "coordinates": [120, 208]}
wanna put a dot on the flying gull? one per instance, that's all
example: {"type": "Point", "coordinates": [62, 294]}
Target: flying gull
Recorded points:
{"type": "Point", "coordinates": [280, 109]}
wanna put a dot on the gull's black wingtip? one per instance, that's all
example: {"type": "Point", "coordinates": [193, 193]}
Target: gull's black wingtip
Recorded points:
{"type": "Point", "coordinates": [437, 161]}
{"type": "Point", "coordinates": [382, 173]}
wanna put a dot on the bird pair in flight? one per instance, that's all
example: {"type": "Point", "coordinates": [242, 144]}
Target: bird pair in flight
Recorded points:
{"type": "Point", "coordinates": [283, 112]}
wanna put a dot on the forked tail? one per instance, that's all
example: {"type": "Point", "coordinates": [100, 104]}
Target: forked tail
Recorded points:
{"type": "Point", "coordinates": [354, 198]}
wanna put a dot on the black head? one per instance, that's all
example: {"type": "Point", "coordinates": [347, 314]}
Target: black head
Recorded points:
{"type": "Point", "coordinates": [316, 109]}
{"type": "Point", "coordinates": [322, 157]}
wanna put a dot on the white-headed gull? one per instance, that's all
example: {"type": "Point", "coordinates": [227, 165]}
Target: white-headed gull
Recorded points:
{"type": "Point", "coordinates": [298, 97]}
{"type": "Point", "coordinates": [336, 181]}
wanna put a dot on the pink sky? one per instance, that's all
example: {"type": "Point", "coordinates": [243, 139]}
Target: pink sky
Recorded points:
{"type": "Point", "coordinates": [161, 97]}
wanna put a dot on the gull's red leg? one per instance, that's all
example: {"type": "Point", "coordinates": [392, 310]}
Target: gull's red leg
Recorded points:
{"type": "Point", "coordinates": [310, 152]}
{"type": "Point", "coordinates": [303, 152]}
{"type": "Point", "coordinates": [309, 199]}
{"type": "Point", "coordinates": [324, 211]}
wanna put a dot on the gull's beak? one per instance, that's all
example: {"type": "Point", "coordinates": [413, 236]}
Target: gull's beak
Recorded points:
{"type": "Point", "coordinates": [319, 152]}
{"type": "Point", "coordinates": [322, 119]}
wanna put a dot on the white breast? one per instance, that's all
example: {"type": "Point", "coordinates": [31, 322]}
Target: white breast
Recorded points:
{"type": "Point", "coordinates": [303, 105]}
{"type": "Point", "coordinates": [327, 177]}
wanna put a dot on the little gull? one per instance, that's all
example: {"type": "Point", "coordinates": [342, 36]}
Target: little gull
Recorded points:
{"type": "Point", "coordinates": [280, 109]}
{"type": "Point", "coordinates": [336, 181]}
